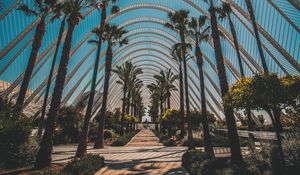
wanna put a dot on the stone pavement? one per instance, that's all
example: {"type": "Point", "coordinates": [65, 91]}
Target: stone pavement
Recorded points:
{"type": "Point", "coordinates": [143, 155]}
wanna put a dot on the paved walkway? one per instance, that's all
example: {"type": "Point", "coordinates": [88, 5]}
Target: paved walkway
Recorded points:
{"type": "Point", "coordinates": [143, 155]}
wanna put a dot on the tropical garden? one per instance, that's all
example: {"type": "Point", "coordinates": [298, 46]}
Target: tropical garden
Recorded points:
{"type": "Point", "coordinates": [248, 104]}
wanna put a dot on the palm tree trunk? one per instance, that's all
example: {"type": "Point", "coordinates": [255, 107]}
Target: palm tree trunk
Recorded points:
{"type": "Point", "coordinates": [123, 109]}
{"type": "Point", "coordinates": [206, 138]}
{"type": "Point", "coordinates": [236, 156]}
{"type": "Point", "coordinates": [191, 145]}
{"type": "Point", "coordinates": [161, 113]}
{"type": "Point", "coordinates": [260, 50]}
{"type": "Point", "coordinates": [60, 35]}
{"type": "Point", "coordinates": [169, 101]}
{"type": "Point", "coordinates": [128, 102]}
{"type": "Point", "coordinates": [36, 45]}
{"type": "Point", "coordinates": [82, 146]}
{"type": "Point", "coordinates": [182, 130]}
{"type": "Point", "coordinates": [43, 157]}
{"type": "Point", "coordinates": [236, 44]}
{"type": "Point", "coordinates": [100, 136]}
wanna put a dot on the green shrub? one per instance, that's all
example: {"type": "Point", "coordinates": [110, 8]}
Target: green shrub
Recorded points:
{"type": "Point", "coordinates": [23, 155]}
{"type": "Point", "coordinates": [69, 122]}
{"type": "Point", "coordinates": [15, 148]}
{"type": "Point", "coordinates": [194, 156]}
{"type": "Point", "coordinates": [108, 135]}
{"type": "Point", "coordinates": [86, 165]}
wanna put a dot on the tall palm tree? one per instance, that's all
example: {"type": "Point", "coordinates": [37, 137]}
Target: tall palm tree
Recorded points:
{"type": "Point", "coordinates": [40, 9]}
{"type": "Point", "coordinates": [57, 12]}
{"type": "Point", "coordinates": [125, 72]}
{"type": "Point", "coordinates": [73, 9]}
{"type": "Point", "coordinates": [200, 33]}
{"type": "Point", "coordinates": [176, 57]}
{"type": "Point", "coordinates": [113, 35]}
{"type": "Point", "coordinates": [226, 11]}
{"type": "Point", "coordinates": [182, 49]}
{"type": "Point", "coordinates": [133, 84]}
{"type": "Point", "coordinates": [254, 24]}
{"type": "Point", "coordinates": [236, 156]}
{"type": "Point", "coordinates": [98, 32]}
{"type": "Point", "coordinates": [168, 79]}
{"type": "Point", "coordinates": [179, 20]}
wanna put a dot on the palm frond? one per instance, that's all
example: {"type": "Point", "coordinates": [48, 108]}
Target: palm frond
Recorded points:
{"type": "Point", "coordinates": [27, 11]}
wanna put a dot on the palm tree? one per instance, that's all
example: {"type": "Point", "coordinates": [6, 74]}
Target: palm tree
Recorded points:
{"type": "Point", "coordinates": [176, 57]}
{"type": "Point", "coordinates": [57, 12]}
{"type": "Point", "coordinates": [236, 156]}
{"type": "Point", "coordinates": [40, 9]}
{"type": "Point", "coordinates": [182, 49]}
{"type": "Point", "coordinates": [200, 33]}
{"type": "Point", "coordinates": [113, 35]}
{"type": "Point", "coordinates": [179, 20]}
{"type": "Point", "coordinates": [125, 72]}
{"type": "Point", "coordinates": [226, 11]}
{"type": "Point", "coordinates": [72, 9]}
{"type": "Point", "coordinates": [167, 78]}
{"type": "Point", "coordinates": [98, 32]}
{"type": "Point", "coordinates": [259, 45]}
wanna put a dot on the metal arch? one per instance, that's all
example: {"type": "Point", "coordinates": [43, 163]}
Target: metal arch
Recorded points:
{"type": "Point", "coordinates": [192, 89]}
{"type": "Point", "coordinates": [72, 53]}
{"type": "Point", "coordinates": [166, 9]}
{"type": "Point", "coordinates": [75, 86]}
{"type": "Point", "coordinates": [191, 80]}
{"type": "Point", "coordinates": [209, 79]}
{"type": "Point", "coordinates": [261, 30]}
{"type": "Point", "coordinates": [284, 15]}
{"type": "Point", "coordinates": [275, 44]}
{"type": "Point", "coordinates": [166, 32]}
{"type": "Point", "coordinates": [229, 39]}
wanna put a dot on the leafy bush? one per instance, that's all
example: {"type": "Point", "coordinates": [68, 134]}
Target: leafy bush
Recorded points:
{"type": "Point", "coordinates": [291, 149]}
{"type": "Point", "coordinates": [69, 123]}
{"type": "Point", "coordinates": [23, 155]}
{"type": "Point", "coordinates": [86, 165]}
{"type": "Point", "coordinates": [124, 139]}
{"type": "Point", "coordinates": [194, 156]}
{"type": "Point", "coordinates": [15, 130]}
{"type": "Point", "coordinates": [107, 135]}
